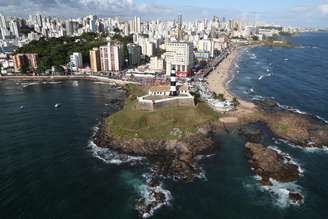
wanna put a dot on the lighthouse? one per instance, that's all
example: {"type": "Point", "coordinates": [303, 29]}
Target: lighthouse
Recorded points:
{"type": "Point", "coordinates": [173, 87]}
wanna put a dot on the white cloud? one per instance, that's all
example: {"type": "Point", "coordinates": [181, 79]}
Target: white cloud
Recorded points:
{"type": "Point", "coordinates": [324, 9]}
{"type": "Point", "coordinates": [300, 8]}
{"type": "Point", "coordinates": [142, 8]}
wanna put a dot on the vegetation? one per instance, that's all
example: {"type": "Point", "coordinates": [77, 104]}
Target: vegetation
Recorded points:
{"type": "Point", "coordinates": [26, 30]}
{"type": "Point", "coordinates": [125, 40]}
{"type": "Point", "coordinates": [56, 51]}
{"type": "Point", "coordinates": [219, 97]}
{"type": "Point", "coordinates": [24, 68]}
{"type": "Point", "coordinates": [235, 102]}
{"type": "Point", "coordinates": [280, 128]}
{"type": "Point", "coordinates": [159, 124]}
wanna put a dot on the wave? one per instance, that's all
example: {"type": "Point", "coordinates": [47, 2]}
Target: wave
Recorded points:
{"type": "Point", "coordinates": [112, 157]}
{"type": "Point", "coordinates": [24, 85]}
{"type": "Point", "coordinates": [264, 76]}
{"type": "Point", "coordinates": [253, 56]}
{"type": "Point", "coordinates": [149, 200]}
{"type": "Point", "coordinates": [288, 159]}
{"type": "Point", "coordinates": [280, 192]}
{"type": "Point", "coordinates": [52, 82]}
{"type": "Point", "coordinates": [109, 156]}
{"type": "Point", "coordinates": [307, 149]}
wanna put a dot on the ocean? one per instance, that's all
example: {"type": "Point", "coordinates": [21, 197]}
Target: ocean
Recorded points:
{"type": "Point", "coordinates": [50, 168]}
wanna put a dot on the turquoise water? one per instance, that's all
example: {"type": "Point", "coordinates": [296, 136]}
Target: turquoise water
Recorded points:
{"type": "Point", "coordinates": [48, 167]}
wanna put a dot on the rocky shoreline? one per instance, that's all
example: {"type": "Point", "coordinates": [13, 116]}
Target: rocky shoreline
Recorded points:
{"type": "Point", "coordinates": [174, 159]}
{"type": "Point", "coordinates": [170, 158]}
{"type": "Point", "coordinates": [270, 166]}
{"type": "Point", "coordinates": [303, 130]}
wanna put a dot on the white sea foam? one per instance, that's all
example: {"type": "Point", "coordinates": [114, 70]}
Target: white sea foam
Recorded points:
{"type": "Point", "coordinates": [111, 157]}
{"type": "Point", "coordinates": [253, 56]}
{"type": "Point", "coordinates": [264, 76]}
{"type": "Point", "coordinates": [307, 149]}
{"type": "Point", "coordinates": [287, 158]}
{"type": "Point", "coordinates": [54, 82]}
{"type": "Point", "coordinates": [322, 119]}
{"type": "Point", "coordinates": [261, 77]}
{"type": "Point", "coordinates": [147, 194]}
{"type": "Point", "coordinates": [24, 85]}
{"type": "Point", "coordinates": [291, 109]}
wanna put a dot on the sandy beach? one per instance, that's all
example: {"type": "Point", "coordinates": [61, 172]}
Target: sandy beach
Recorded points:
{"type": "Point", "coordinates": [218, 81]}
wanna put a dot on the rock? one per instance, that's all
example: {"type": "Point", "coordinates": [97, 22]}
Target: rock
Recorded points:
{"type": "Point", "coordinates": [299, 129]}
{"type": "Point", "coordinates": [268, 104]}
{"type": "Point", "coordinates": [252, 134]}
{"type": "Point", "coordinates": [172, 158]}
{"type": "Point", "coordinates": [268, 163]}
{"type": "Point", "coordinates": [296, 198]}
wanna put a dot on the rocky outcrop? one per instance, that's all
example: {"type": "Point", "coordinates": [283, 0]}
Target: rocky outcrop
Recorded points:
{"type": "Point", "coordinates": [173, 158]}
{"type": "Point", "coordinates": [299, 129]}
{"type": "Point", "coordinates": [252, 134]}
{"type": "Point", "coordinates": [153, 197]}
{"type": "Point", "coordinates": [268, 163]}
{"type": "Point", "coordinates": [273, 166]}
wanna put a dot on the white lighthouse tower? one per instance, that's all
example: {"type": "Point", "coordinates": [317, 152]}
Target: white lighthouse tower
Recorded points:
{"type": "Point", "coordinates": [173, 88]}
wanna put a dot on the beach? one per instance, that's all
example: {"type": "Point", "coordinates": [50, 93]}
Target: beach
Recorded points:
{"type": "Point", "coordinates": [218, 81]}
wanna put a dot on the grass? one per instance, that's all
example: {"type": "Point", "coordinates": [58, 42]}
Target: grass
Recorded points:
{"type": "Point", "coordinates": [159, 124]}
{"type": "Point", "coordinates": [281, 128]}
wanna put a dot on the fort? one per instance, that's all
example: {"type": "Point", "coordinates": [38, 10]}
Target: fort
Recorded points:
{"type": "Point", "coordinates": [166, 96]}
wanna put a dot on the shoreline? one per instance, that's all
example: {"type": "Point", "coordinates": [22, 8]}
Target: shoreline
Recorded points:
{"type": "Point", "coordinates": [218, 82]}
{"type": "Point", "coordinates": [66, 78]}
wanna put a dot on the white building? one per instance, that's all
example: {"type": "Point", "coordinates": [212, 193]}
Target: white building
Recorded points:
{"type": "Point", "coordinates": [179, 55]}
{"type": "Point", "coordinates": [111, 57]}
{"type": "Point", "coordinates": [156, 64]}
{"type": "Point", "coordinates": [135, 25]}
{"type": "Point", "coordinates": [76, 61]}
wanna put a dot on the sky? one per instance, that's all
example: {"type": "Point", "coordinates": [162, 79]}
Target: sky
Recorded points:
{"type": "Point", "coordinates": [305, 13]}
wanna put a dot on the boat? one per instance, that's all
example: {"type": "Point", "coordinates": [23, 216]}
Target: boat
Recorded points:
{"type": "Point", "coordinates": [75, 83]}
{"type": "Point", "coordinates": [21, 107]}
{"type": "Point", "coordinates": [57, 105]}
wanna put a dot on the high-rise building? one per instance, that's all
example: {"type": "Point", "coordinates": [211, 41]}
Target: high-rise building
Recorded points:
{"type": "Point", "coordinates": [30, 60]}
{"type": "Point", "coordinates": [14, 29]}
{"type": "Point", "coordinates": [95, 60]}
{"type": "Point", "coordinates": [180, 33]}
{"type": "Point", "coordinates": [111, 57]}
{"type": "Point", "coordinates": [134, 52]}
{"type": "Point", "coordinates": [69, 28]}
{"type": "Point", "coordinates": [179, 56]}
{"type": "Point", "coordinates": [135, 25]}
{"type": "Point", "coordinates": [3, 22]}
{"type": "Point", "coordinates": [93, 23]}
{"type": "Point", "coordinates": [76, 61]}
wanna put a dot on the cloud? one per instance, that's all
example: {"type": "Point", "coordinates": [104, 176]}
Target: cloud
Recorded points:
{"type": "Point", "coordinates": [324, 8]}
{"type": "Point", "coordinates": [68, 8]}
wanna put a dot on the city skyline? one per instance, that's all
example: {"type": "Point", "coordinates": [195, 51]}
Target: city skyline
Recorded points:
{"type": "Point", "coordinates": [314, 13]}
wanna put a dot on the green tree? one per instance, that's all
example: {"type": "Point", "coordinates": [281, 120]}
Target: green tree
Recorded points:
{"type": "Point", "coordinates": [24, 68]}
{"type": "Point", "coordinates": [219, 97]}
{"type": "Point", "coordinates": [235, 102]}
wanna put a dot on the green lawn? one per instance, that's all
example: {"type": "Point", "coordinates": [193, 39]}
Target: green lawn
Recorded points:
{"type": "Point", "coordinates": [159, 124]}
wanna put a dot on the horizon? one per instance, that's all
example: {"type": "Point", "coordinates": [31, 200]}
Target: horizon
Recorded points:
{"type": "Point", "coordinates": [314, 13]}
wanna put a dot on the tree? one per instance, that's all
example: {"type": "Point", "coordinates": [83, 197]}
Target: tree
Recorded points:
{"type": "Point", "coordinates": [24, 68]}
{"type": "Point", "coordinates": [219, 97]}
{"type": "Point", "coordinates": [235, 102]}
{"type": "Point", "coordinates": [255, 38]}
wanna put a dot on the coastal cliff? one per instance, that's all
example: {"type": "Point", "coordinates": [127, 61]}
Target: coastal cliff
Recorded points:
{"type": "Point", "coordinates": [173, 158]}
